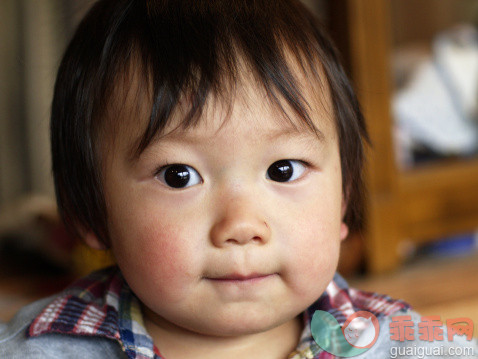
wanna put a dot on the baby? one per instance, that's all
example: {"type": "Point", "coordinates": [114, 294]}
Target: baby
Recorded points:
{"type": "Point", "coordinates": [215, 147]}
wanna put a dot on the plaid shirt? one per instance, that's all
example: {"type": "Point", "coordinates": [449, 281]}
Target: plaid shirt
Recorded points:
{"type": "Point", "coordinates": [102, 305]}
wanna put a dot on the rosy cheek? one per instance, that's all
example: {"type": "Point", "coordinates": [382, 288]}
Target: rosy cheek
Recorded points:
{"type": "Point", "coordinates": [156, 255]}
{"type": "Point", "coordinates": [165, 249]}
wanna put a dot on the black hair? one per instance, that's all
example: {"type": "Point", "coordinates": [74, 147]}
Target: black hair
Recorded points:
{"type": "Point", "coordinates": [188, 46]}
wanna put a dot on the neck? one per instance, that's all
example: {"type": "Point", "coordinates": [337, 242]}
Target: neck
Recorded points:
{"type": "Point", "coordinates": [176, 342]}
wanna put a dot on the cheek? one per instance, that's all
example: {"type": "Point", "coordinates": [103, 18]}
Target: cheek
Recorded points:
{"type": "Point", "coordinates": [312, 247]}
{"type": "Point", "coordinates": [159, 250]}
{"type": "Point", "coordinates": [154, 252]}
{"type": "Point", "coordinates": [318, 254]}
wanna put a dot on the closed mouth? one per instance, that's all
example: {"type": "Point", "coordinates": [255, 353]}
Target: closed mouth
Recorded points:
{"type": "Point", "coordinates": [240, 278]}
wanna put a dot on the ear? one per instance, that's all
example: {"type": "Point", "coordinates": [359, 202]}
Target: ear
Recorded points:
{"type": "Point", "coordinates": [344, 229]}
{"type": "Point", "coordinates": [92, 241]}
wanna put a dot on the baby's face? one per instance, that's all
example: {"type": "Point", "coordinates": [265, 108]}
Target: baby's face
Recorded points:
{"type": "Point", "coordinates": [231, 227]}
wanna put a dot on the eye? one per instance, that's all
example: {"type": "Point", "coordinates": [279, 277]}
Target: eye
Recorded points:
{"type": "Point", "coordinates": [179, 176]}
{"type": "Point", "coordinates": [285, 170]}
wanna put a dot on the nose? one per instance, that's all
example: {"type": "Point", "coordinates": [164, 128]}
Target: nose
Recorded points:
{"type": "Point", "coordinates": [239, 222]}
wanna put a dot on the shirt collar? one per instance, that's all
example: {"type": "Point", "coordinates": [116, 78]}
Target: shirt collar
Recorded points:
{"type": "Point", "coordinates": [341, 301]}
{"type": "Point", "coordinates": [102, 305]}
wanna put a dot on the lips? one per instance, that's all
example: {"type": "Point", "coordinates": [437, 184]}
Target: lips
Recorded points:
{"type": "Point", "coordinates": [240, 277]}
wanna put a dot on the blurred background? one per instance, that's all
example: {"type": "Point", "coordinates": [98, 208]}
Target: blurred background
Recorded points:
{"type": "Point", "coordinates": [414, 64]}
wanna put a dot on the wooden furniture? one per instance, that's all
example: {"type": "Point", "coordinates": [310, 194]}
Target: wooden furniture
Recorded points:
{"type": "Point", "coordinates": [417, 205]}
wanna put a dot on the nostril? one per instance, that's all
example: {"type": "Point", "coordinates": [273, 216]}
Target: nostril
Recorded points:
{"type": "Point", "coordinates": [239, 241]}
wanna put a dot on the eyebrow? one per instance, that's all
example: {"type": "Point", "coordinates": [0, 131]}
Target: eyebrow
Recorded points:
{"type": "Point", "coordinates": [179, 135]}
{"type": "Point", "coordinates": [190, 136]}
{"type": "Point", "coordinates": [294, 132]}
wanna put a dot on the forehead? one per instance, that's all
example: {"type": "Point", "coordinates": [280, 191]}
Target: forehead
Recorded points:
{"type": "Point", "coordinates": [244, 101]}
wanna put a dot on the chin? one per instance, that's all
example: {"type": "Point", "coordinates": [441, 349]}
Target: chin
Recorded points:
{"type": "Point", "coordinates": [242, 325]}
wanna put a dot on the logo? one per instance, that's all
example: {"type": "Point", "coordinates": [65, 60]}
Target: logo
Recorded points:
{"type": "Point", "coordinates": [358, 334]}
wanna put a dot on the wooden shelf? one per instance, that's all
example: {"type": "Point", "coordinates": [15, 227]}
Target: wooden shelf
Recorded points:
{"type": "Point", "coordinates": [420, 204]}
{"type": "Point", "coordinates": [439, 200]}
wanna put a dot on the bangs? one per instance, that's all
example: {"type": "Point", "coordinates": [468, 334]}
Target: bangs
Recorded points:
{"type": "Point", "coordinates": [188, 51]}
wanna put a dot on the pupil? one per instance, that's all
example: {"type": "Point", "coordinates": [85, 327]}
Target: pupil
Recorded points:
{"type": "Point", "coordinates": [280, 171]}
{"type": "Point", "coordinates": [177, 176]}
